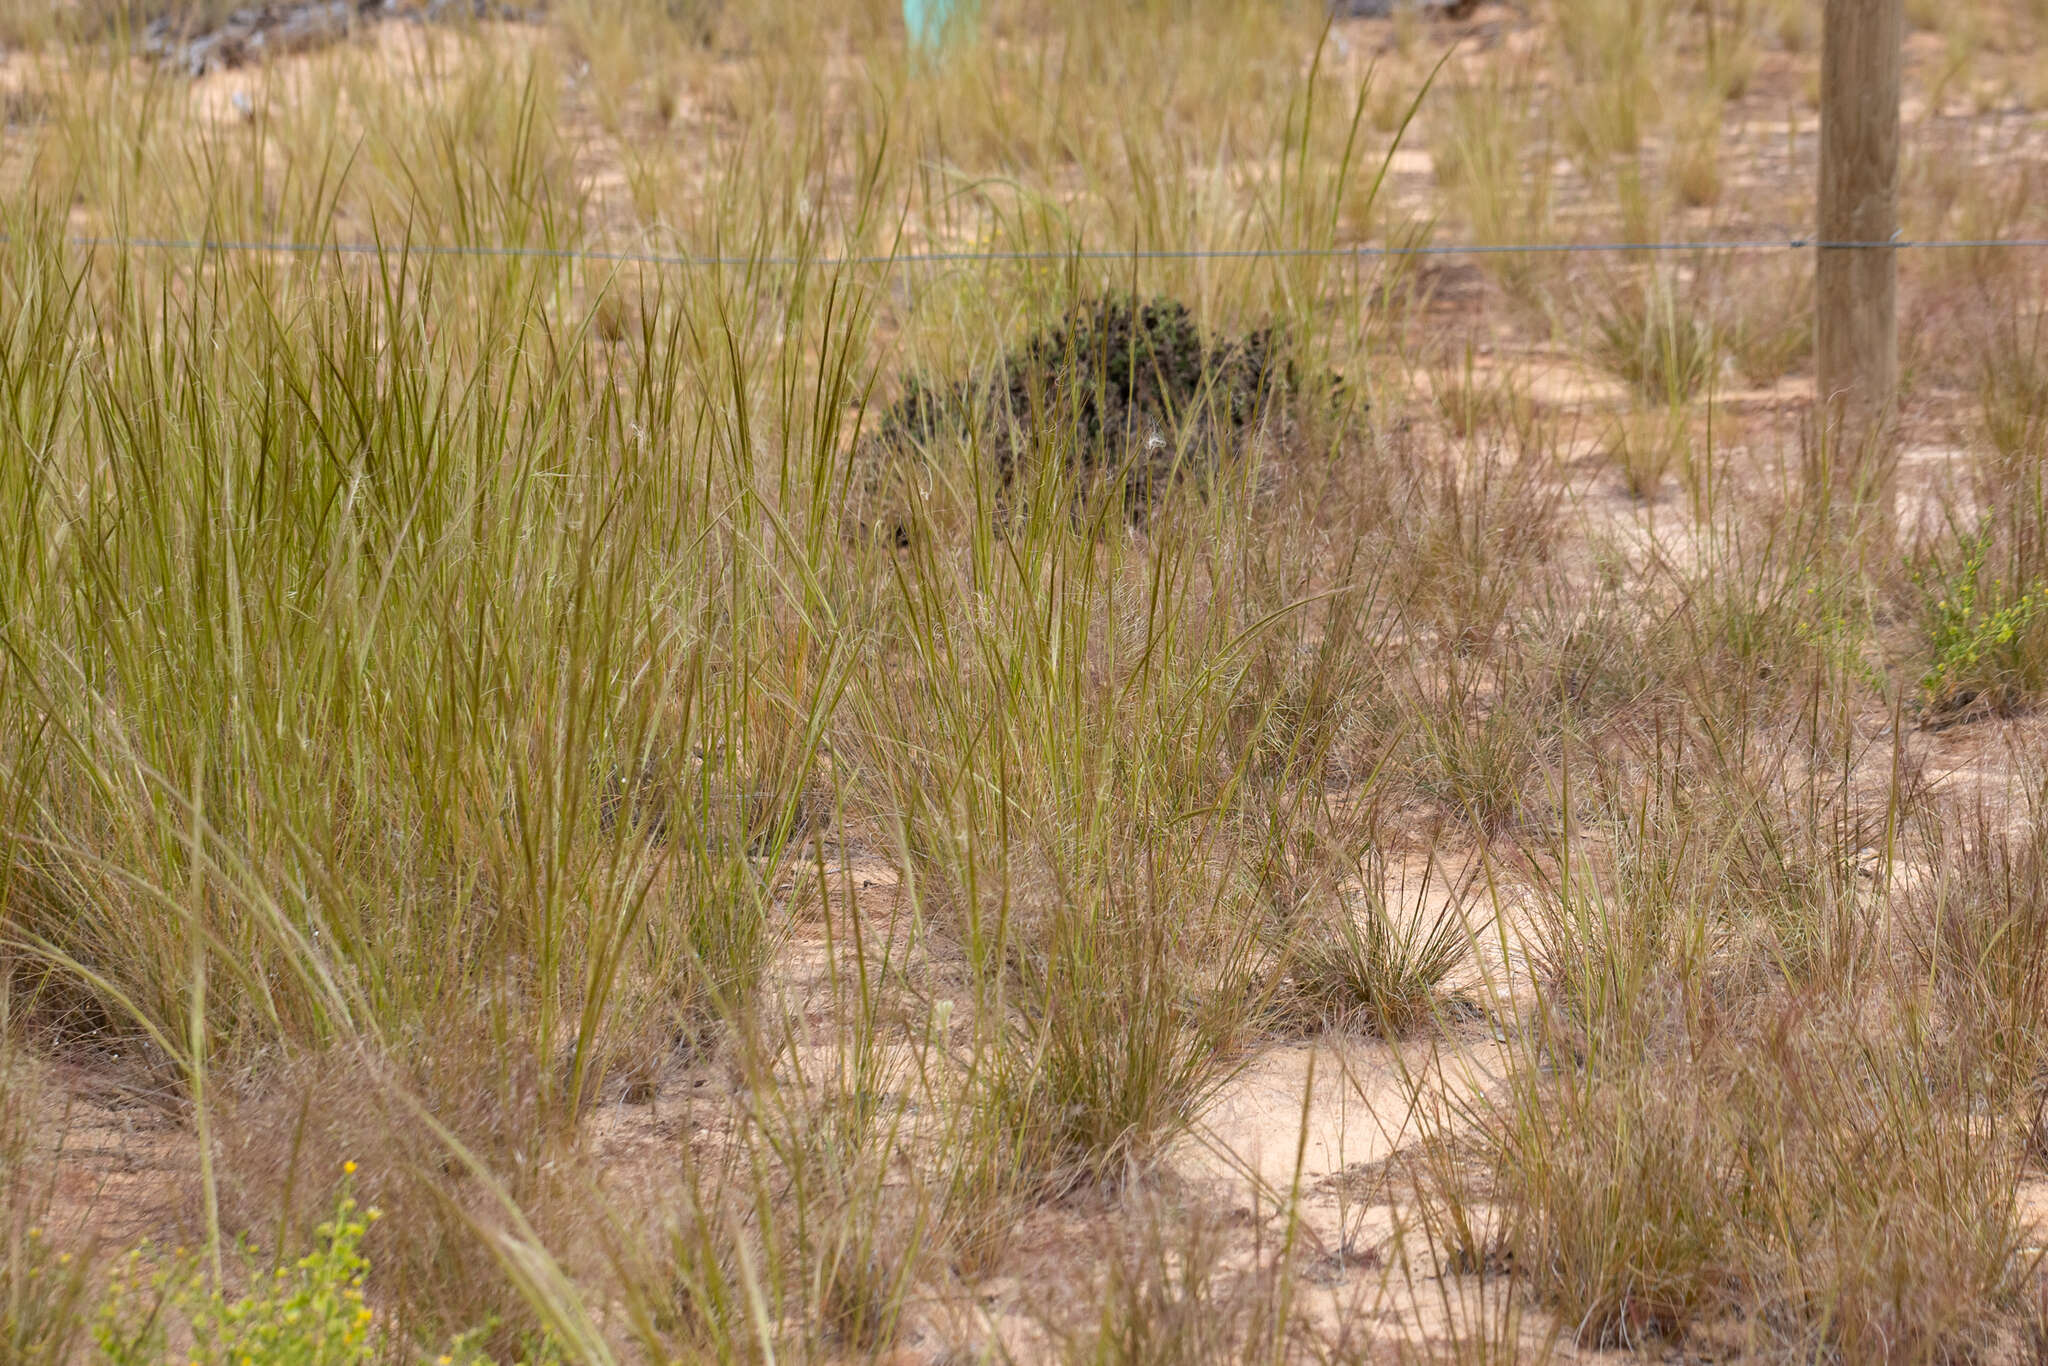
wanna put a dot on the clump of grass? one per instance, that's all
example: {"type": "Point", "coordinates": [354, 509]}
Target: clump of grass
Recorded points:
{"type": "Point", "coordinates": [1884, 1210]}
{"type": "Point", "coordinates": [1593, 655]}
{"type": "Point", "coordinates": [1729, 40]}
{"type": "Point", "coordinates": [1488, 151]}
{"type": "Point", "coordinates": [1764, 319]}
{"type": "Point", "coordinates": [1666, 1051]}
{"type": "Point", "coordinates": [1324, 709]}
{"type": "Point", "coordinates": [1172, 1295]}
{"type": "Point", "coordinates": [1480, 405]}
{"type": "Point", "coordinates": [1468, 531]}
{"type": "Point", "coordinates": [1696, 173]}
{"type": "Point", "coordinates": [1819, 1186]}
{"type": "Point", "coordinates": [2012, 396]}
{"type": "Point", "coordinates": [856, 1254]}
{"type": "Point", "coordinates": [1615, 51]}
{"type": "Point", "coordinates": [1647, 446]}
{"type": "Point", "coordinates": [1990, 207]}
{"type": "Point", "coordinates": [1979, 929]}
{"type": "Point", "coordinates": [1772, 604]}
{"type": "Point", "coordinates": [1480, 760]}
{"type": "Point", "coordinates": [625, 48]}
{"type": "Point", "coordinates": [1655, 338]}
{"type": "Point", "coordinates": [1118, 1039]}
{"type": "Point", "coordinates": [1380, 959]}
{"type": "Point", "coordinates": [1616, 1199]}
{"type": "Point", "coordinates": [1795, 27]}
{"type": "Point", "coordinates": [1613, 953]}
{"type": "Point", "coordinates": [1490, 1319]}
{"type": "Point", "coordinates": [1696, 160]}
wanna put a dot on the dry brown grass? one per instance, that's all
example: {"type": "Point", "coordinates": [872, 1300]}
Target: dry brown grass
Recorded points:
{"type": "Point", "coordinates": [453, 722]}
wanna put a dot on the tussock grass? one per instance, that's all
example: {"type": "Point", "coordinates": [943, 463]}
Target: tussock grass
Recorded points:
{"type": "Point", "coordinates": [1615, 52]}
{"type": "Point", "coordinates": [1685, 1051]}
{"type": "Point", "coordinates": [1470, 532]}
{"type": "Point", "coordinates": [1171, 1295]}
{"type": "Point", "coordinates": [1647, 446]}
{"type": "Point", "coordinates": [1974, 926]}
{"type": "Point", "coordinates": [2013, 395]}
{"type": "Point", "coordinates": [1383, 958]}
{"type": "Point", "coordinates": [1763, 319]}
{"type": "Point", "coordinates": [1656, 339]}
{"type": "Point", "coordinates": [745, 875]}
{"type": "Point", "coordinates": [1490, 156]}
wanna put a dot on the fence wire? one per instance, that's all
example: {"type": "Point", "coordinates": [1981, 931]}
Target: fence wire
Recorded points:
{"type": "Point", "coordinates": [685, 260]}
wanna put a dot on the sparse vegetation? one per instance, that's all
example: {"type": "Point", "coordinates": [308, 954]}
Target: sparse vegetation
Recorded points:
{"type": "Point", "coordinates": [817, 701]}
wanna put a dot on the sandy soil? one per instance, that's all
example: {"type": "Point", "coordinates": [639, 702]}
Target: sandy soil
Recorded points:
{"type": "Point", "coordinates": [1329, 1117]}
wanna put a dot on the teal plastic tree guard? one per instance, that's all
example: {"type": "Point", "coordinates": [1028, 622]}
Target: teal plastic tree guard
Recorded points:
{"type": "Point", "coordinates": [934, 23]}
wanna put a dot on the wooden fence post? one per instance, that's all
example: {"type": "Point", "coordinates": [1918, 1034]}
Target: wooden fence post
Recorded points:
{"type": "Point", "coordinates": [1856, 289]}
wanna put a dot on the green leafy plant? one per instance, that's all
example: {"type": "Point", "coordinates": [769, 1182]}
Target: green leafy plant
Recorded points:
{"type": "Point", "coordinates": [42, 1289]}
{"type": "Point", "coordinates": [309, 1313]}
{"type": "Point", "coordinates": [1988, 637]}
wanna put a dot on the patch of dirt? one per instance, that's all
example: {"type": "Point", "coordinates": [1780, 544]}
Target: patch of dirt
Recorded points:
{"type": "Point", "coordinates": [125, 1163]}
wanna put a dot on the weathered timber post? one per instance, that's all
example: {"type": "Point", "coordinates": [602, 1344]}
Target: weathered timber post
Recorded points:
{"type": "Point", "coordinates": [1856, 288]}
